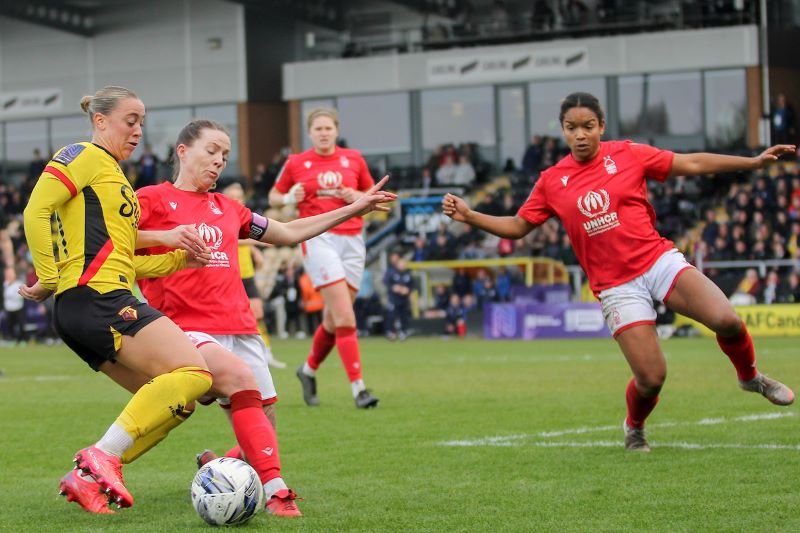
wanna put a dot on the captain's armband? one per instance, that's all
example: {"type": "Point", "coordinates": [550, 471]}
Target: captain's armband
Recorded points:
{"type": "Point", "coordinates": [258, 226]}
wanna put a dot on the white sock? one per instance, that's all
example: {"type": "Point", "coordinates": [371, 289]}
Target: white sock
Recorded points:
{"type": "Point", "coordinates": [358, 386]}
{"type": "Point", "coordinates": [308, 371]}
{"type": "Point", "coordinates": [116, 441]}
{"type": "Point", "coordinates": [274, 485]}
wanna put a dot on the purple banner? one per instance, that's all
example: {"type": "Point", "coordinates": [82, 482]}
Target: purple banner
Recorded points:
{"type": "Point", "coordinates": [544, 321]}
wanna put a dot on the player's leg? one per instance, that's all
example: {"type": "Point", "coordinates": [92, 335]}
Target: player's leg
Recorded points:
{"type": "Point", "coordinates": [640, 346]}
{"type": "Point", "coordinates": [323, 266]}
{"type": "Point", "coordinates": [630, 316]}
{"type": "Point", "coordinates": [697, 297]}
{"type": "Point", "coordinates": [255, 434]}
{"type": "Point", "coordinates": [115, 328]}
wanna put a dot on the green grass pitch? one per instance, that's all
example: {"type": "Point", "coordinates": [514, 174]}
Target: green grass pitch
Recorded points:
{"type": "Point", "coordinates": [470, 435]}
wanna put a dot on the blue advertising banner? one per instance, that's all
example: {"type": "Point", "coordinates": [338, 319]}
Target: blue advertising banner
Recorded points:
{"type": "Point", "coordinates": [423, 215]}
{"type": "Point", "coordinates": [544, 321]}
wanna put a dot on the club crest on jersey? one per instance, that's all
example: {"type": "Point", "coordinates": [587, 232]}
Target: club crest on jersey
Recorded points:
{"type": "Point", "coordinates": [173, 205]}
{"type": "Point", "coordinates": [594, 206]}
{"type": "Point", "coordinates": [214, 209]}
{"type": "Point", "coordinates": [329, 183]}
{"type": "Point", "coordinates": [611, 166]}
{"type": "Point", "coordinates": [564, 180]}
{"type": "Point", "coordinates": [344, 161]}
{"type": "Point", "coordinates": [128, 313]}
{"type": "Point", "coordinates": [307, 164]}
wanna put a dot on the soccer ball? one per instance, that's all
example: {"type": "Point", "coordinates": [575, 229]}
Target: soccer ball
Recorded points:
{"type": "Point", "coordinates": [227, 492]}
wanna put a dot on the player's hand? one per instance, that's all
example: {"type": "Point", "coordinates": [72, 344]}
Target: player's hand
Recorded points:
{"type": "Point", "coordinates": [198, 260]}
{"type": "Point", "coordinates": [299, 193]}
{"type": "Point", "coordinates": [774, 152]}
{"type": "Point", "coordinates": [36, 292]}
{"type": "Point", "coordinates": [349, 194]}
{"type": "Point", "coordinates": [185, 237]}
{"type": "Point", "coordinates": [374, 198]}
{"type": "Point", "coordinates": [455, 207]}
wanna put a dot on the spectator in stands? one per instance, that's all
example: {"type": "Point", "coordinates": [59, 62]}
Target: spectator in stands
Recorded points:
{"type": "Point", "coordinates": [543, 18]}
{"type": "Point", "coordinates": [14, 304]}
{"type": "Point", "coordinates": [455, 317]}
{"type": "Point", "coordinates": [772, 287]}
{"type": "Point", "coordinates": [711, 227]}
{"type": "Point", "coordinates": [791, 294]}
{"type": "Point", "coordinates": [446, 173]}
{"type": "Point", "coordinates": [364, 303]}
{"type": "Point", "coordinates": [36, 166]}
{"type": "Point", "coordinates": [483, 289]}
{"type": "Point", "coordinates": [630, 264]}
{"type": "Point", "coordinates": [461, 284]}
{"type": "Point", "coordinates": [783, 125]}
{"type": "Point", "coordinates": [6, 249]}
{"type": "Point", "coordinates": [313, 305]}
{"type": "Point", "coordinates": [418, 254]}
{"type": "Point", "coordinates": [147, 168]}
{"type": "Point", "coordinates": [464, 173]}
{"type": "Point", "coordinates": [260, 186]}
{"type": "Point", "coordinates": [748, 289]}
{"type": "Point", "coordinates": [503, 283]}
{"type": "Point", "coordinates": [499, 18]}
{"type": "Point", "coordinates": [532, 158]}
{"type": "Point", "coordinates": [399, 286]}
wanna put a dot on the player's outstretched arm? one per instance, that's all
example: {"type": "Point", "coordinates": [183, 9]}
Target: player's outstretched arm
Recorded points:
{"type": "Point", "coordinates": [506, 227]}
{"type": "Point", "coordinates": [700, 163]}
{"type": "Point", "coordinates": [302, 229]}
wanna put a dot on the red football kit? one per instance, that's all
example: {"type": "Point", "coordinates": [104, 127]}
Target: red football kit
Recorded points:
{"type": "Point", "coordinates": [323, 176]}
{"type": "Point", "coordinates": [603, 206]}
{"type": "Point", "coordinates": [211, 299]}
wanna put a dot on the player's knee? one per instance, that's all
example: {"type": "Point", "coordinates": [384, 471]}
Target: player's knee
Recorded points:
{"type": "Point", "coordinates": [236, 377]}
{"type": "Point", "coordinates": [650, 383]}
{"type": "Point", "coordinates": [725, 322]}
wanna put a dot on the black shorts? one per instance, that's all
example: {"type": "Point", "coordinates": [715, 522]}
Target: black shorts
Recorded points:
{"type": "Point", "coordinates": [250, 287]}
{"type": "Point", "coordinates": [92, 324]}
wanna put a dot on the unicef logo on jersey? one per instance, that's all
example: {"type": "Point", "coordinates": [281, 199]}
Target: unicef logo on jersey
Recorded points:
{"type": "Point", "coordinates": [329, 183]}
{"type": "Point", "coordinates": [212, 235]}
{"type": "Point", "coordinates": [594, 206]}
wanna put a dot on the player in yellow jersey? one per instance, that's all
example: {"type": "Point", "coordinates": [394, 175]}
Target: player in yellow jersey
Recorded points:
{"type": "Point", "coordinates": [95, 312]}
{"type": "Point", "coordinates": [247, 268]}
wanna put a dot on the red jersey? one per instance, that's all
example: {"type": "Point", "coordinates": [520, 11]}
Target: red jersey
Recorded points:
{"type": "Point", "coordinates": [322, 177]}
{"type": "Point", "coordinates": [211, 299]}
{"type": "Point", "coordinates": [603, 206]}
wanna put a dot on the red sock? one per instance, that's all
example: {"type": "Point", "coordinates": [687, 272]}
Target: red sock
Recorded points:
{"type": "Point", "coordinates": [740, 351]}
{"type": "Point", "coordinates": [255, 434]}
{"type": "Point", "coordinates": [321, 346]}
{"type": "Point", "coordinates": [235, 452]}
{"type": "Point", "coordinates": [639, 407]}
{"type": "Point", "coordinates": [347, 344]}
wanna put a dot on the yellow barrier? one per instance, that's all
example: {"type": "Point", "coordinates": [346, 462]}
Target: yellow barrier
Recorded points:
{"type": "Point", "coordinates": [537, 269]}
{"type": "Point", "coordinates": [777, 320]}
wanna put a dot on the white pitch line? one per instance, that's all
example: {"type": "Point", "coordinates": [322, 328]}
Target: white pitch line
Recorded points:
{"type": "Point", "coordinates": [681, 445]}
{"type": "Point", "coordinates": [515, 440]}
{"type": "Point", "coordinates": [4, 379]}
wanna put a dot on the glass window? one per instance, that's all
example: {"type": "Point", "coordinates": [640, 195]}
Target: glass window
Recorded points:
{"type": "Point", "coordinates": [69, 130]}
{"type": "Point", "coordinates": [226, 115]}
{"type": "Point", "coordinates": [726, 108]}
{"type": "Point", "coordinates": [376, 124]}
{"type": "Point", "coordinates": [544, 101]}
{"type": "Point", "coordinates": [306, 107]}
{"type": "Point", "coordinates": [512, 124]}
{"type": "Point", "coordinates": [22, 138]}
{"type": "Point", "coordinates": [456, 116]}
{"type": "Point", "coordinates": [660, 104]}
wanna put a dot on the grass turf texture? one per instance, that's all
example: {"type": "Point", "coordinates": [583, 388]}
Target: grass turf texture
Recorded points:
{"type": "Point", "coordinates": [505, 408]}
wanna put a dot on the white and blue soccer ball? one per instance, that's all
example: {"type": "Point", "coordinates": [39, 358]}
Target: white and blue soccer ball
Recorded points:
{"type": "Point", "coordinates": [227, 492]}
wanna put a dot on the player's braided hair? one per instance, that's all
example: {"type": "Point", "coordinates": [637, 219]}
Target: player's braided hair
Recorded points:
{"type": "Point", "coordinates": [579, 99]}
